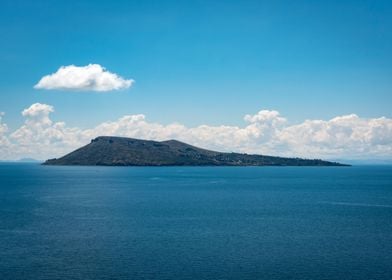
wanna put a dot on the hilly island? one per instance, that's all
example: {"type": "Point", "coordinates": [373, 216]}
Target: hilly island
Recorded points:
{"type": "Point", "coordinates": [121, 151]}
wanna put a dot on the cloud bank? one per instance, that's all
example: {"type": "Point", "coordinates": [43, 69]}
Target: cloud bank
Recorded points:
{"type": "Point", "coordinates": [92, 77]}
{"type": "Point", "coordinates": [266, 132]}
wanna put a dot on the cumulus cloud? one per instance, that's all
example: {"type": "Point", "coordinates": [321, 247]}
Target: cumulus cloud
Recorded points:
{"type": "Point", "coordinates": [38, 113]}
{"type": "Point", "coordinates": [3, 127]}
{"type": "Point", "coordinates": [40, 133]}
{"type": "Point", "coordinates": [343, 136]}
{"type": "Point", "coordinates": [92, 77]}
{"type": "Point", "coordinates": [4, 143]}
{"type": "Point", "coordinates": [266, 132]}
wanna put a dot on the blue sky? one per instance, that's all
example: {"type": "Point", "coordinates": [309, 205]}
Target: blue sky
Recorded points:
{"type": "Point", "coordinates": [200, 62]}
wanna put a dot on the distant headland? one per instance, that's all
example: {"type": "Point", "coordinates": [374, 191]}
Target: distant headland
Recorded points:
{"type": "Point", "coordinates": [121, 151]}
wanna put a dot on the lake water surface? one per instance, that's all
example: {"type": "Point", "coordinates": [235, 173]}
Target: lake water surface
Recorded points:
{"type": "Point", "coordinates": [195, 222]}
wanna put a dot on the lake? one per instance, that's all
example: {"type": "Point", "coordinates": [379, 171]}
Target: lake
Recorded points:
{"type": "Point", "coordinates": [195, 222]}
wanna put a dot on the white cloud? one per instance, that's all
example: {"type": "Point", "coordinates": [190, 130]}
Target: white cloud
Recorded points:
{"type": "Point", "coordinates": [92, 77]}
{"type": "Point", "coordinates": [265, 132]}
{"type": "Point", "coordinates": [3, 126]}
{"type": "Point", "coordinates": [4, 143]}
{"type": "Point", "coordinates": [344, 136]}
{"type": "Point", "coordinates": [40, 137]}
{"type": "Point", "coordinates": [38, 113]}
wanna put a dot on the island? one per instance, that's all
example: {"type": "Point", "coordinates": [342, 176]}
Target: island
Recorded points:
{"type": "Point", "coordinates": [121, 151]}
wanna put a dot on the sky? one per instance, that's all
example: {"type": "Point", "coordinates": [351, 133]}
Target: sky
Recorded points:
{"type": "Point", "coordinates": [290, 78]}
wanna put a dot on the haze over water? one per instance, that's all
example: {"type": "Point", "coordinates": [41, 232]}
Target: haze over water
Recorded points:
{"type": "Point", "coordinates": [195, 222]}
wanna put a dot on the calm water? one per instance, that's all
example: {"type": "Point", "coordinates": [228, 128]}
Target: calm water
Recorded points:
{"type": "Point", "coordinates": [195, 223]}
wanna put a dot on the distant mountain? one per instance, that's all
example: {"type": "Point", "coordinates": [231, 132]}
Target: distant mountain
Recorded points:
{"type": "Point", "coordinates": [29, 160]}
{"type": "Point", "coordinates": [23, 160]}
{"type": "Point", "coordinates": [120, 151]}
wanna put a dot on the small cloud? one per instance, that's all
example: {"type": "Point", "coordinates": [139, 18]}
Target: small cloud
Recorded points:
{"type": "Point", "coordinates": [38, 112]}
{"type": "Point", "coordinates": [92, 77]}
{"type": "Point", "coordinates": [37, 109]}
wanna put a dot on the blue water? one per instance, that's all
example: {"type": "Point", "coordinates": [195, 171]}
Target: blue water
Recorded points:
{"type": "Point", "coordinates": [195, 223]}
